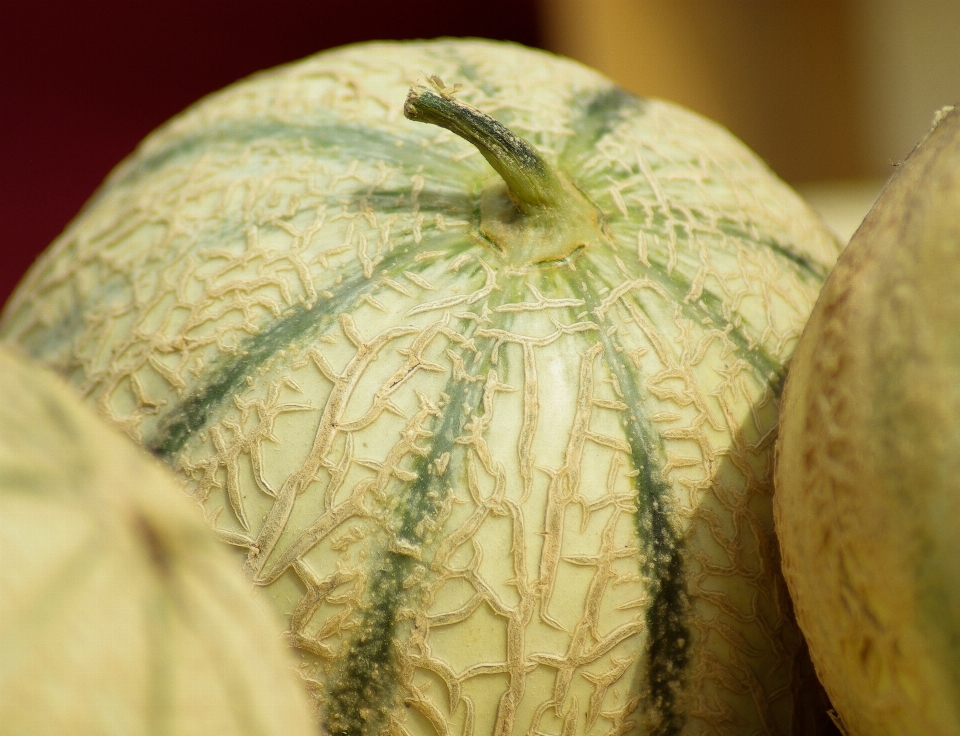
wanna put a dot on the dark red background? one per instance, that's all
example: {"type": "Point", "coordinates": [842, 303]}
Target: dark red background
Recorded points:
{"type": "Point", "coordinates": [82, 81]}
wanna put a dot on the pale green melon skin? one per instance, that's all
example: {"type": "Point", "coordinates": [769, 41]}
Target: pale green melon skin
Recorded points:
{"type": "Point", "coordinates": [119, 611]}
{"type": "Point", "coordinates": [868, 470]}
{"type": "Point", "coordinates": [550, 493]}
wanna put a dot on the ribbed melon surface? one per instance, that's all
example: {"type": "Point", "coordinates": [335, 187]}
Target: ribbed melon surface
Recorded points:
{"type": "Point", "coordinates": [490, 498]}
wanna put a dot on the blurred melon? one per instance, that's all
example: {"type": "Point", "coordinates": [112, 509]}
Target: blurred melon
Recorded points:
{"type": "Point", "coordinates": [119, 611]}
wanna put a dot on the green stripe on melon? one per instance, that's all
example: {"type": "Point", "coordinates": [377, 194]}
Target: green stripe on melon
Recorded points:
{"type": "Point", "coordinates": [491, 494]}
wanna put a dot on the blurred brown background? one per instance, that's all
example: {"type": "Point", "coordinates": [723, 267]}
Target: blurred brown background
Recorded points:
{"type": "Point", "coordinates": [830, 92]}
{"type": "Point", "coordinates": [780, 74]}
{"type": "Point", "coordinates": [823, 89]}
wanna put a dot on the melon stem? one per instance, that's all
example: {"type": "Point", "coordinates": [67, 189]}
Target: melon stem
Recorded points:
{"type": "Point", "coordinates": [532, 181]}
{"type": "Point", "coordinates": [541, 217]}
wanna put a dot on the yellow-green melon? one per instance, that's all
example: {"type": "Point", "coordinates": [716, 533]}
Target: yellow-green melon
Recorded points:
{"type": "Point", "coordinates": [868, 476]}
{"type": "Point", "coordinates": [492, 427]}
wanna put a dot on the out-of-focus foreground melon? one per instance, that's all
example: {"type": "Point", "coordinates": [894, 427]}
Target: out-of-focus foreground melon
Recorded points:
{"type": "Point", "coordinates": [868, 475]}
{"type": "Point", "coordinates": [119, 612]}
